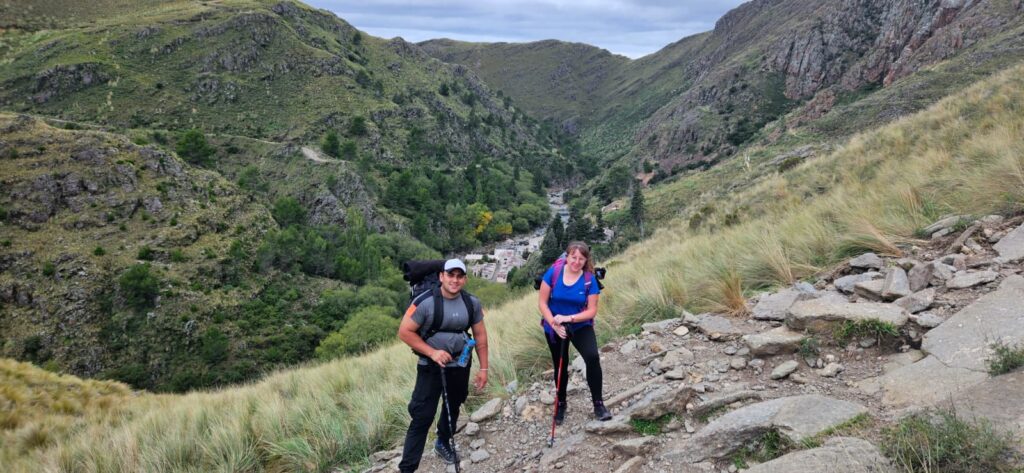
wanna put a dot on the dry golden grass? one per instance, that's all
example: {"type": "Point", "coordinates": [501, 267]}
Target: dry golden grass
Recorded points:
{"type": "Point", "coordinates": [963, 155]}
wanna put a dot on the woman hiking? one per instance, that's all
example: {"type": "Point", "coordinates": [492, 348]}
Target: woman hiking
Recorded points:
{"type": "Point", "coordinates": [568, 300]}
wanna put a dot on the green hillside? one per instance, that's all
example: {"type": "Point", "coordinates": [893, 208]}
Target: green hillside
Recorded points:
{"type": "Point", "coordinates": [961, 155]}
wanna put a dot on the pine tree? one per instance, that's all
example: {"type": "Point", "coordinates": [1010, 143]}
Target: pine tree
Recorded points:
{"type": "Point", "coordinates": [551, 247]}
{"type": "Point", "coordinates": [636, 208]}
{"type": "Point", "coordinates": [331, 145]}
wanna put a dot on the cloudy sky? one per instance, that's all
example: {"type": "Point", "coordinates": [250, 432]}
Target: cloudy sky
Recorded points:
{"type": "Point", "coordinates": [632, 28]}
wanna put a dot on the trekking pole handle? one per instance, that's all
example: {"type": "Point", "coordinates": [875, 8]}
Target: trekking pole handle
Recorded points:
{"type": "Point", "coordinates": [466, 350]}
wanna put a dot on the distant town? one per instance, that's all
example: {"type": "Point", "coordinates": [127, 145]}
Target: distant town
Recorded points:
{"type": "Point", "coordinates": [512, 253]}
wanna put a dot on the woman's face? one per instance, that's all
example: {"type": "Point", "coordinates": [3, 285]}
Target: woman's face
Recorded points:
{"type": "Point", "coordinates": [576, 260]}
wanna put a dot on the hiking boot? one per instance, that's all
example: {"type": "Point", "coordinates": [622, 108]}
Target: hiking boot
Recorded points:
{"type": "Point", "coordinates": [444, 451]}
{"type": "Point", "coordinates": [560, 413]}
{"type": "Point", "coordinates": [600, 412]}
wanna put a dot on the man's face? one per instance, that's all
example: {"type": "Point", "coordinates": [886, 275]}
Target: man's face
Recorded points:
{"type": "Point", "coordinates": [452, 281]}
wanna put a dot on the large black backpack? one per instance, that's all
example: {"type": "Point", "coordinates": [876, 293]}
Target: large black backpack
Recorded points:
{"type": "Point", "coordinates": [424, 282]}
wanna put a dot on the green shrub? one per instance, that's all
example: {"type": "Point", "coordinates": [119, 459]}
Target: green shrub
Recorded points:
{"type": "Point", "coordinates": [874, 328]}
{"type": "Point", "coordinates": [145, 253]}
{"type": "Point", "coordinates": [358, 126]}
{"type": "Point", "coordinates": [331, 145]}
{"type": "Point", "coordinates": [193, 147]}
{"type": "Point", "coordinates": [941, 441]}
{"type": "Point", "coordinates": [213, 346]}
{"type": "Point", "coordinates": [178, 256]}
{"type": "Point", "coordinates": [349, 151]}
{"type": "Point", "coordinates": [1005, 359]}
{"type": "Point", "coordinates": [6, 243]}
{"type": "Point", "coordinates": [49, 269]}
{"type": "Point", "coordinates": [367, 328]}
{"type": "Point", "coordinates": [3, 214]}
{"type": "Point", "coordinates": [99, 251]}
{"type": "Point", "coordinates": [809, 347]}
{"type": "Point", "coordinates": [769, 446]}
{"type": "Point", "coordinates": [287, 211]}
{"type": "Point", "coordinates": [139, 287]}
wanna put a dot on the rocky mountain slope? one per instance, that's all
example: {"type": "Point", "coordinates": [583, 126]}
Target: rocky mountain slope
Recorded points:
{"type": "Point", "coordinates": [698, 100]}
{"type": "Point", "coordinates": [807, 382]}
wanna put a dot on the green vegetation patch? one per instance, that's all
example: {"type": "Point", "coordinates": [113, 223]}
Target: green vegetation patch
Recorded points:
{"type": "Point", "coordinates": [651, 427]}
{"type": "Point", "coordinates": [873, 328]}
{"type": "Point", "coordinates": [1005, 358]}
{"type": "Point", "coordinates": [942, 441]}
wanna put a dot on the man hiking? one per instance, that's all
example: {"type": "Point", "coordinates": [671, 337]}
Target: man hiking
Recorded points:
{"type": "Point", "coordinates": [438, 345]}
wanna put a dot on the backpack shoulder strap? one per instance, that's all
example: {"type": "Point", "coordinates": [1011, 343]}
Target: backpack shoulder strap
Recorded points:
{"type": "Point", "coordinates": [469, 308]}
{"type": "Point", "coordinates": [438, 315]}
{"type": "Point", "coordinates": [556, 272]}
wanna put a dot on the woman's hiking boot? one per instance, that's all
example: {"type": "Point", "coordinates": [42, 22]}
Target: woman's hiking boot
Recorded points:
{"type": "Point", "coordinates": [560, 413]}
{"type": "Point", "coordinates": [444, 451]}
{"type": "Point", "coordinates": [600, 412]}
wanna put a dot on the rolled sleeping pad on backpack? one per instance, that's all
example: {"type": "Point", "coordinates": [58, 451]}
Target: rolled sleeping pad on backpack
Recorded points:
{"type": "Point", "coordinates": [416, 270]}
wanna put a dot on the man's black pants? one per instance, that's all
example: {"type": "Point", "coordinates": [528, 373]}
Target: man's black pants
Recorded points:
{"type": "Point", "coordinates": [423, 406]}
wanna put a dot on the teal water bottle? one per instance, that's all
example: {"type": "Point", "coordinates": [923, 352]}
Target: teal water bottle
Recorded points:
{"type": "Point", "coordinates": [466, 350]}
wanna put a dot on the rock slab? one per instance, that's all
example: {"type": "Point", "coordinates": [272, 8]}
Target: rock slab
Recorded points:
{"type": "Point", "coordinates": [821, 315]}
{"type": "Point", "coordinates": [773, 342]}
{"type": "Point", "coordinates": [796, 418]}
{"type": "Point", "coordinates": [837, 455]}
{"type": "Point", "coordinates": [1011, 246]}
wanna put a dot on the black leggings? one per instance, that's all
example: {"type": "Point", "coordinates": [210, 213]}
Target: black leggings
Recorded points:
{"type": "Point", "coordinates": [585, 341]}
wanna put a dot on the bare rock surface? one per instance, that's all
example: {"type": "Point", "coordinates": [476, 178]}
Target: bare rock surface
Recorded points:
{"type": "Point", "coordinates": [796, 418]}
{"type": "Point", "coordinates": [837, 455]}
{"type": "Point", "coordinates": [819, 316]}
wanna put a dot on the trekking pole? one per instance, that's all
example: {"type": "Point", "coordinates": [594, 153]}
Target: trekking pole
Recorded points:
{"type": "Point", "coordinates": [558, 387]}
{"type": "Point", "coordinates": [451, 426]}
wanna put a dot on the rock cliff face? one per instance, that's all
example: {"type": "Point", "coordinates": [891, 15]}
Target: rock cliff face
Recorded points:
{"type": "Point", "coordinates": [697, 100]}
{"type": "Point", "coordinates": [814, 51]}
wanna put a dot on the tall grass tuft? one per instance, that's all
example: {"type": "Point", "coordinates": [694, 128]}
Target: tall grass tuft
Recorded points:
{"type": "Point", "coordinates": [944, 442]}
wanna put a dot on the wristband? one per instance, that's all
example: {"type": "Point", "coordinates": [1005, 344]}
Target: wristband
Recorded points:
{"type": "Point", "coordinates": [483, 369]}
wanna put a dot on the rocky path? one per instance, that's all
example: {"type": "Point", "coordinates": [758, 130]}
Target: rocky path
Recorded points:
{"type": "Point", "coordinates": [716, 385]}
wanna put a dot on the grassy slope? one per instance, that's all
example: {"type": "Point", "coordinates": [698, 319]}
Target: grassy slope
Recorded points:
{"type": "Point", "coordinates": [961, 155]}
{"type": "Point", "coordinates": [262, 69]}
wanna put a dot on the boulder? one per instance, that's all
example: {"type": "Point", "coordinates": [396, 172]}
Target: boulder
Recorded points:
{"type": "Point", "coordinates": [661, 325]}
{"type": "Point", "coordinates": [926, 382]}
{"type": "Point", "coordinates": [941, 273]}
{"type": "Point", "coordinates": [820, 316]}
{"type": "Point", "coordinates": [717, 402]}
{"type": "Point", "coordinates": [870, 290]}
{"type": "Point", "coordinates": [775, 306]}
{"type": "Point", "coordinates": [784, 369]}
{"type": "Point", "coordinates": [837, 455]}
{"type": "Point", "coordinates": [846, 283]}
{"type": "Point", "coordinates": [896, 284]}
{"type": "Point", "coordinates": [633, 465]}
{"type": "Point", "coordinates": [717, 327]}
{"type": "Point", "coordinates": [660, 401]}
{"type": "Point", "coordinates": [965, 280]}
{"type": "Point", "coordinates": [479, 455]}
{"type": "Point", "coordinates": [918, 301]}
{"type": "Point", "coordinates": [867, 261]}
{"type": "Point", "coordinates": [927, 320]}
{"type": "Point", "coordinates": [617, 425]}
{"type": "Point", "coordinates": [920, 276]}
{"type": "Point", "coordinates": [675, 358]}
{"type": "Point", "coordinates": [1011, 246]}
{"type": "Point", "coordinates": [773, 342]}
{"type": "Point", "coordinates": [635, 446]}
{"type": "Point", "coordinates": [945, 223]}
{"type": "Point", "coordinates": [490, 409]}
{"type": "Point", "coordinates": [796, 418]}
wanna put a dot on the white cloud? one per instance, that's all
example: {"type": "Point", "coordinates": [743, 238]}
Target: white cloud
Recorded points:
{"type": "Point", "coordinates": [632, 28]}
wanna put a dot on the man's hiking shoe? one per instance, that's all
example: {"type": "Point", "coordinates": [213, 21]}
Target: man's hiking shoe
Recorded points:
{"type": "Point", "coordinates": [601, 412]}
{"type": "Point", "coordinates": [444, 451]}
{"type": "Point", "coordinates": [560, 413]}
